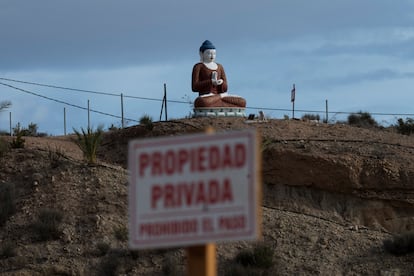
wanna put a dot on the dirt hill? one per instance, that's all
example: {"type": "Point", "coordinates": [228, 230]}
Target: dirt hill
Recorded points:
{"type": "Point", "coordinates": [332, 195]}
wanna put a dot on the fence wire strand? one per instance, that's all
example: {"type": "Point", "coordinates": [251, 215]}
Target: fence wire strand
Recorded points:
{"type": "Point", "coordinates": [158, 100]}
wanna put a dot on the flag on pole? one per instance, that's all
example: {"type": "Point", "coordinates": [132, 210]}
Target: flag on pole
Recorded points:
{"type": "Point", "coordinates": [292, 94]}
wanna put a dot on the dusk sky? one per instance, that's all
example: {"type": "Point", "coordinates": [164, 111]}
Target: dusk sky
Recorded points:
{"type": "Point", "coordinates": [358, 55]}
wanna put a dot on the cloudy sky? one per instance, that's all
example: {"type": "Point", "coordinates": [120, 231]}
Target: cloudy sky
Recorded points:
{"type": "Point", "coordinates": [357, 55]}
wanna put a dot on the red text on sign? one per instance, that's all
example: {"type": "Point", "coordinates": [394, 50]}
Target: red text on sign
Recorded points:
{"type": "Point", "coordinates": [200, 159]}
{"type": "Point", "coordinates": [232, 222]}
{"type": "Point", "coordinates": [192, 193]}
{"type": "Point", "coordinates": [169, 228]}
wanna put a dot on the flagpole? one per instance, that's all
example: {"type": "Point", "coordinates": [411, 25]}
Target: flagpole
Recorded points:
{"type": "Point", "coordinates": [292, 99]}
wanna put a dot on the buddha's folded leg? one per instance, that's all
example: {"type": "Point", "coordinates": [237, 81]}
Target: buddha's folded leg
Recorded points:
{"type": "Point", "coordinates": [210, 101]}
{"type": "Point", "coordinates": [234, 101]}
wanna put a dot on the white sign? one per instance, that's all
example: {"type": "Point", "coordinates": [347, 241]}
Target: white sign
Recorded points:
{"type": "Point", "coordinates": [193, 189]}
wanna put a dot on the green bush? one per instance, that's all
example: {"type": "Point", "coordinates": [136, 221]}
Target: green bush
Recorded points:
{"type": "Point", "coordinates": [7, 201]}
{"type": "Point", "coordinates": [47, 225]}
{"type": "Point", "coordinates": [362, 119]}
{"type": "Point", "coordinates": [30, 130]}
{"type": "Point", "coordinates": [146, 121]}
{"type": "Point", "coordinates": [18, 141]}
{"type": "Point", "coordinates": [406, 127]}
{"type": "Point", "coordinates": [89, 141]}
{"type": "Point", "coordinates": [400, 244]}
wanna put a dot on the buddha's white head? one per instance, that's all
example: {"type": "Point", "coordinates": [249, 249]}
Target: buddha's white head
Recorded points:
{"type": "Point", "coordinates": [208, 55]}
{"type": "Point", "coordinates": [207, 52]}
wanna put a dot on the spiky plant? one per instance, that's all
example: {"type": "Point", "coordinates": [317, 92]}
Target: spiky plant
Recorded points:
{"type": "Point", "coordinates": [89, 141]}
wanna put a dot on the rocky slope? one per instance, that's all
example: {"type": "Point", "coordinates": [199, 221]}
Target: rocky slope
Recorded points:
{"type": "Point", "coordinates": [332, 195]}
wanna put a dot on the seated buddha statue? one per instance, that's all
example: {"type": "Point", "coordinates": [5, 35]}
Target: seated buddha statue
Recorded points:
{"type": "Point", "coordinates": [209, 80]}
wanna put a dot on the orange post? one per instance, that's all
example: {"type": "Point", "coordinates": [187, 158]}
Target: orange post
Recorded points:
{"type": "Point", "coordinates": [201, 260]}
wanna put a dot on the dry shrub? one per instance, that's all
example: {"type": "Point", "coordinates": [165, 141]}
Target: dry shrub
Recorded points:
{"type": "Point", "coordinates": [146, 121]}
{"type": "Point", "coordinates": [405, 127]}
{"type": "Point", "coordinates": [47, 225]}
{"type": "Point", "coordinates": [362, 119]}
{"type": "Point", "coordinates": [260, 256]}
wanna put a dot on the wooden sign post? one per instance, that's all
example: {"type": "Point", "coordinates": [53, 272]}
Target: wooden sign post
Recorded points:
{"type": "Point", "coordinates": [193, 191]}
{"type": "Point", "coordinates": [202, 260]}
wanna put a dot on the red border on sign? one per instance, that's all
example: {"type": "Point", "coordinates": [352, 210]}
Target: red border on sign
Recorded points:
{"type": "Point", "coordinates": [205, 237]}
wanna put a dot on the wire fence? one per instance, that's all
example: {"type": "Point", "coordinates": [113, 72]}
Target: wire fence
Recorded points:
{"type": "Point", "coordinates": [329, 115]}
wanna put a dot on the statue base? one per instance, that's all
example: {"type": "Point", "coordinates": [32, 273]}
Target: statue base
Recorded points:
{"type": "Point", "coordinates": [219, 112]}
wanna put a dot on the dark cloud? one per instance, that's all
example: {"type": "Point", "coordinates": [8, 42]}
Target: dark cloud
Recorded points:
{"type": "Point", "coordinates": [79, 34]}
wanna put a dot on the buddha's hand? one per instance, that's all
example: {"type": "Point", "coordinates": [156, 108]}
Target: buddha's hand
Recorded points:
{"type": "Point", "coordinates": [214, 79]}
